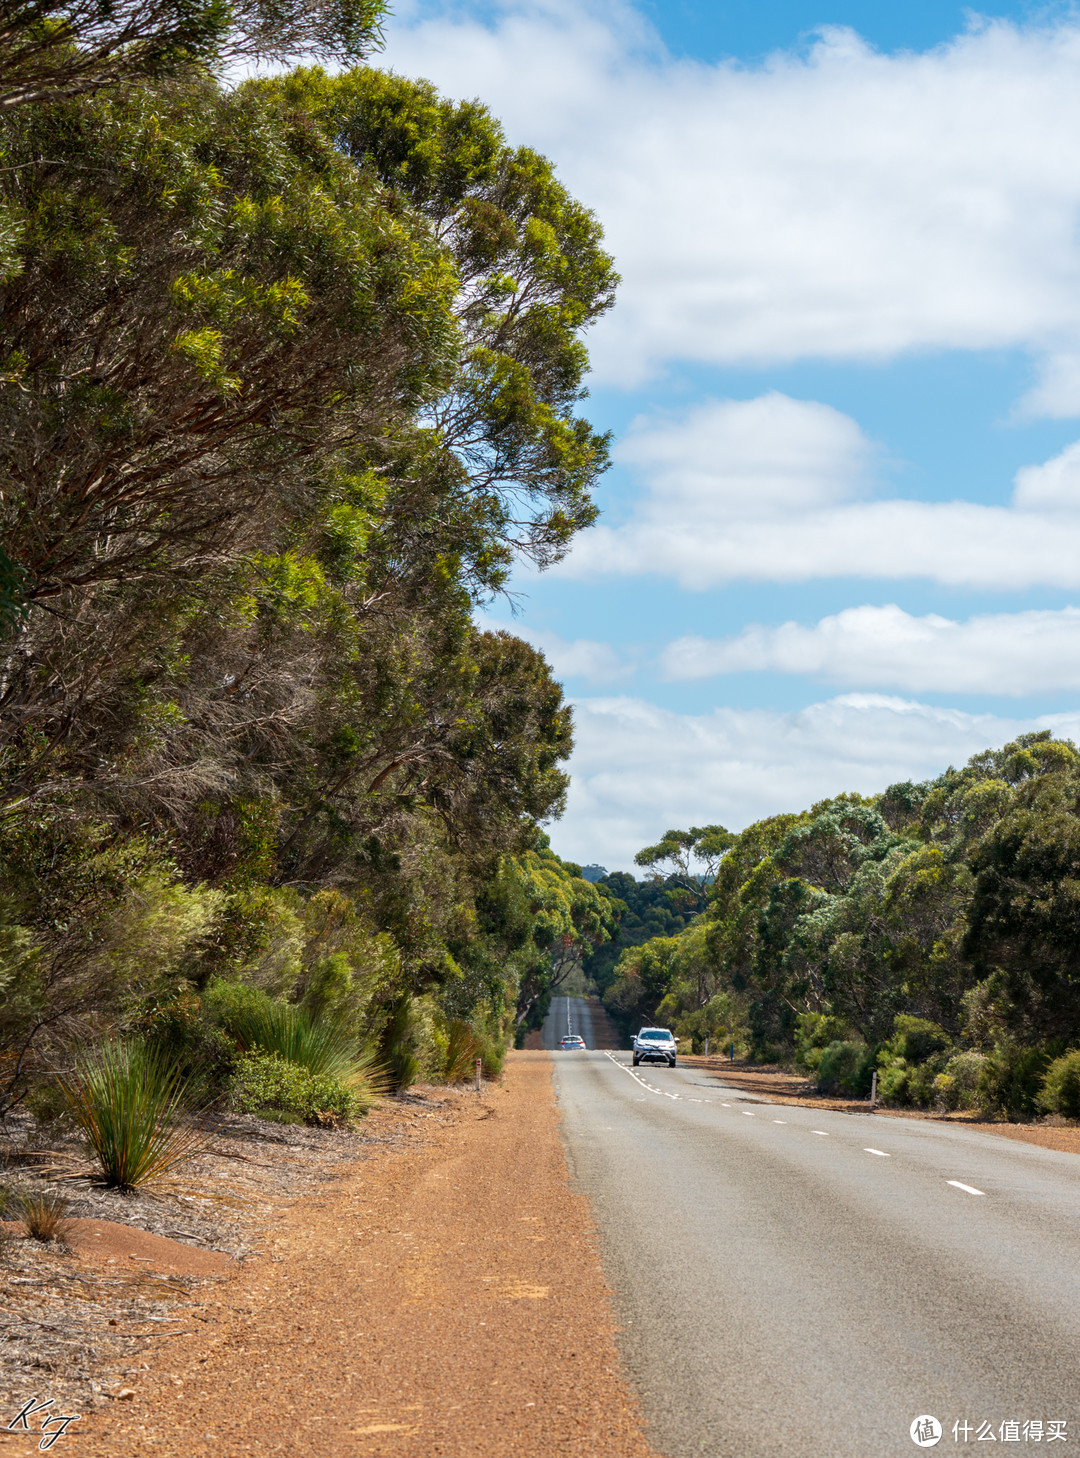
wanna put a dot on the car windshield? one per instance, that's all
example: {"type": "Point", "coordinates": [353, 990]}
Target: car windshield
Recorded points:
{"type": "Point", "coordinates": [661, 1033]}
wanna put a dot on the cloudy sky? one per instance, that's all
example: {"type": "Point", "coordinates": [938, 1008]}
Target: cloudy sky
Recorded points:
{"type": "Point", "coordinates": [840, 544]}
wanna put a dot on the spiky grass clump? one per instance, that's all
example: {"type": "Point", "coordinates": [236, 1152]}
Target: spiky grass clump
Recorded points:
{"type": "Point", "coordinates": [135, 1108]}
{"type": "Point", "coordinates": [44, 1213]}
{"type": "Point", "coordinates": [462, 1051]}
{"type": "Point", "coordinates": [320, 1045]}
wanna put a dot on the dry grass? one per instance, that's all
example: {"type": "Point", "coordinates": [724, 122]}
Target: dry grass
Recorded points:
{"type": "Point", "coordinates": [44, 1213]}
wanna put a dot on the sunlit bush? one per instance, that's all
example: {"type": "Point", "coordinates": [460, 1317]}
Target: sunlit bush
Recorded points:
{"type": "Point", "coordinates": [1060, 1092]}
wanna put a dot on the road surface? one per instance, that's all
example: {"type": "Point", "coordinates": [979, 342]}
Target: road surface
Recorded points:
{"type": "Point", "coordinates": [798, 1283]}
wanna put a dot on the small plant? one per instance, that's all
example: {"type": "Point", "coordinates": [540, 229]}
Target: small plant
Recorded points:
{"type": "Point", "coordinates": [134, 1107]}
{"type": "Point", "coordinates": [48, 1105]}
{"type": "Point", "coordinates": [44, 1213]}
{"type": "Point", "coordinates": [1060, 1092]}
{"type": "Point", "coordinates": [268, 1085]}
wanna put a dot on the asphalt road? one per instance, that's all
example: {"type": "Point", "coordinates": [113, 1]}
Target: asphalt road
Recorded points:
{"type": "Point", "coordinates": [798, 1283]}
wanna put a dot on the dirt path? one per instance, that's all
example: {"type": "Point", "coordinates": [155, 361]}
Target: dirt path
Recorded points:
{"type": "Point", "coordinates": [440, 1300]}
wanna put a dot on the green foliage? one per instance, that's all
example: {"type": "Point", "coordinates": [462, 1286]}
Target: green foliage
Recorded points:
{"type": "Point", "coordinates": [690, 859]}
{"type": "Point", "coordinates": [135, 1110]}
{"type": "Point", "coordinates": [258, 1023]}
{"type": "Point", "coordinates": [814, 1032]}
{"type": "Point", "coordinates": [846, 1067]}
{"type": "Point", "coordinates": [1011, 1081]}
{"type": "Point", "coordinates": [265, 1082]}
{"type": "Point", "coordinates": [957, 1085]}
{"type": "Point", "coordinates": [644, 909]}
{"type": "Point", "coordinates": [462, 1051]}
{"type": "Point", "coordinates": [55, 48]}
{"type": "Point", "coordinates": [1060, 1092]}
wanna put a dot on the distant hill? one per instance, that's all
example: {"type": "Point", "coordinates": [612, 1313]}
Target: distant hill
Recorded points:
{"type": "Point", "coordinates": [594, 873]}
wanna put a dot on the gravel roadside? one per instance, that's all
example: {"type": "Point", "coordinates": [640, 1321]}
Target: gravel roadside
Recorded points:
{"type": "Point", "coordinates": [444, 1298]}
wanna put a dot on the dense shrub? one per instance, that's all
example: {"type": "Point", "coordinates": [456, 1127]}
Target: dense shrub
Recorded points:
{"type": "Point", "coordinates": [846, 1068]}
{"type": "Point", "coordinates": [956, 1086]}
{"type": "Point", "coordinates": [813, 1034]}
{"type": "Point", "coordinates": [1011, 1080]}
{"type": "Point", "coordinates": [266, 1081]}
{"type": "Point", "coordinates": [911, 1062]}
{"type": "Point", "coordinates": [916, 1039]}
{"type": "Point", "coordinates": [321, 1045]}
{"type": "Point", "coordinates": [1060, 1092]}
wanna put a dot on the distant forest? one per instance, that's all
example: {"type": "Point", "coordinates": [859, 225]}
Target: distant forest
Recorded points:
{"type": "Point", "coordinates": [930, 934]}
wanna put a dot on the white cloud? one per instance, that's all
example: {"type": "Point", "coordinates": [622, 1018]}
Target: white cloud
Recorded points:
{"type": "Point", "coordinates": [749, 458]}
{"type": "Point", "coordinates": [638, 768]}
{"type": "Point", "coordinates": [585, 658]}
{"type": "Point", "coordinates": [996, 653]}
{"type": "Point", "coordinates": [760, 490]}
{"type": "Point", "coordinates": [1054, 486]}
{"type": "Point", "coordinates": [832, 202]}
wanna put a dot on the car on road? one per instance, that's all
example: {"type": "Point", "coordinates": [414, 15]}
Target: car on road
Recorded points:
{"type": "Point", "coordinates": [572, 1040]}
{"type": "Point", "coordinates": [655, 1045]}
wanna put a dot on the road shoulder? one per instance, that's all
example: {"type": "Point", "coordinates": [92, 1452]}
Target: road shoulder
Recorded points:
{"type": "Point", "coordinates": [445, 1299]}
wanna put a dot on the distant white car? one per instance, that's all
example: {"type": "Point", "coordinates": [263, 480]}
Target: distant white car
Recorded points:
{"type": "Point", "coordinates": [572, 1040]}
{"type": "Point", "coordinates": [655, 1045]}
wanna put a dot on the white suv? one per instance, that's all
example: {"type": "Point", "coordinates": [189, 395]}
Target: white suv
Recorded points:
{"type": "Point", "coordinates": [655, 1045]}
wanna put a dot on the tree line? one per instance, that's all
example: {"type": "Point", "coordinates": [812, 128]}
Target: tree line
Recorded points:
{"type": "Point", "coordinates": [291, 374]}
{"type": "Point", "coordinates": [930, 934]}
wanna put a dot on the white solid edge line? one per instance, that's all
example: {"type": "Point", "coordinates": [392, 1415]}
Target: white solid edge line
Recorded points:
{"type": "Point", "coordinates": [879, 1152]}
{"type": "Point", "coordinates": [969, 1190]}
{"type": "Point", "coordinates": [822, 1132]}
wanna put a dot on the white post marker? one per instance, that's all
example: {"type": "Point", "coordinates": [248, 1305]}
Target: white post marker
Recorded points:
{"type": "Point", "coordinates": [873, 1089]}
{"type": "Point", "coordinates": [479, 1068]}
{"type": "Point", "coordinates": [706, 1047]}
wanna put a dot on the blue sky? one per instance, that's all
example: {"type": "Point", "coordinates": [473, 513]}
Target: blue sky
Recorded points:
{"type": "Point", "coordinates": [840, 543]}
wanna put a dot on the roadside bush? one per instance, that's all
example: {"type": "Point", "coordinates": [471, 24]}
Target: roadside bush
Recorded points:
{"type": "Point", "coordinates": [321, 1045]}
{"type": "Point", "coordinates": [462, 1051]}
{"type": "Point", "coordinates": [1060, 1092]}
{"type": "Point", "coordinates": [493, 1055]}
{"type": "Point", "coordinates": [916, 1039]}
{"type": "Point", "coordinates": [846, 1068]}
{"type": "Point", "coordinates": [188, 1036]}
{"type": "Point", "coordinates": [399, 1046]}
{"type": "Point", "coordinates": [1011, 1081]}
{"type": "Point", "coordinates": [267, 1082]}
{"type": "Point", "coordinates": [813, 1034]}
{"type": "Point", "coordinates": [956, 1086]}
{"type": "Point", "coordinates": [135, 1109]}
{"type": "Point", "coordinates": [911, 1062]}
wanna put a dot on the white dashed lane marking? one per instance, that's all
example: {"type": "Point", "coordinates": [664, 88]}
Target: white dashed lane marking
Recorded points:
{"type": "Point", "coordinates": [822, 1133]}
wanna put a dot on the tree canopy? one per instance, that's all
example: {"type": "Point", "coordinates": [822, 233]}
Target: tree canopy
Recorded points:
{"type": "Point", "coordinates": [292, 375]}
